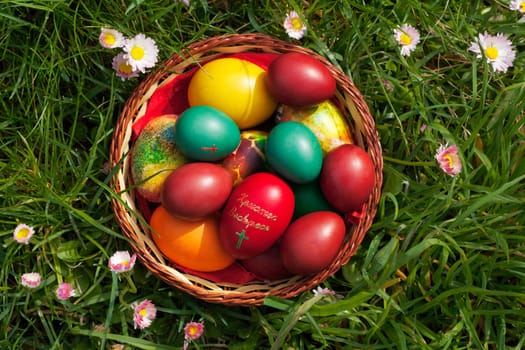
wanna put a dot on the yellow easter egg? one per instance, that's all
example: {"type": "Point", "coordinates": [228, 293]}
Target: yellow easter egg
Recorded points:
{"type": "Point", "coordinates": [236, 87]}
{"type": "Point", "coordinates": [324, 120]}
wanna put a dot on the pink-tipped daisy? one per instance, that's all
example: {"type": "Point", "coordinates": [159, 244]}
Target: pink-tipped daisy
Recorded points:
{"type": "Point", "coordinates": [517, 5]}
{"type": "Point", "coordinates": [31, 279]}
{"type": "Point", "coordinates": [141, 52]}
{"type": "Point", "coordinates": [111, 38]}
{"type": "Point", "coordinates": [193, 330]}
{"type": "Point", "coordinates": [448, 159]}
{"type": "Point", "coordinates": [323, 291]}
{"type": "Point", "coordinates": [121, 261]}
{"type": "Point", "coordinates": [408, 37]}
{"type": "Point", "coordinates": [496, 49]}
{"type": "Point", "coordinates": [123, 68]}
{"type": "Point", "coordinates": [143, 313]}
{"type": "Point", "coordinates": [65, 291]}
{"type": "Point", "coordinates": [294, 25]}
{"type": "Point", "coordinates": [23, 233]}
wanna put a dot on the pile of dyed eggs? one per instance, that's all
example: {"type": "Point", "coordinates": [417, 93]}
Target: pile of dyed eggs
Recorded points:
{"type": "Point", "coordinates": [259, 171]}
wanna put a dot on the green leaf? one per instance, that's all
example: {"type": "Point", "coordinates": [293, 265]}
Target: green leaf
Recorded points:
{"type": "Point", "coordinates": [69, 251]}
{"type": "Point", "coordinates": [277, 303]}
{"type": "Point", "coordinates": [344, 306]}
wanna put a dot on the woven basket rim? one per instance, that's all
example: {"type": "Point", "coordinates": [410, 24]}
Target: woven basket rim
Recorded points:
{"type": "Point", "coordinates": [136, 229]}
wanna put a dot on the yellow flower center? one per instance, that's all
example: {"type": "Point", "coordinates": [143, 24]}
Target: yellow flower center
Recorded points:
{"type": "Point", "coordinates": [109, 39]}
{"type": "Point", "coordinates": [297, 24]}
{"type": "Point", "coordinates": [450, 160]}
{"type": "Point", "coordinates": [125, 262]}
{"type": "Point", "coordinates": [522, 6]}
{"type": "Point", "coordinates": [193, 330]}
{"type": "Point", "coordinates": [126, 69]}
{"type": "Point", "coordinates": [143, 312]}
{"type": "Point", "coordinates": [137, 53]}
{"type": "Point", "coordinates": [23, 233]}
{"type": "Point", "coordinates": [405, 39]}
{"type": "Point", "coordinates": [491, 52]}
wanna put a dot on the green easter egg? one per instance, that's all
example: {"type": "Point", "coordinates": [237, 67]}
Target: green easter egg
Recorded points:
{"type": "Point", "coordinates": [206, 134]}
{"type": "Point", "coordinates": [309, 198]}
{"type": "Point", "coordinates": [294, 152]}
{"type": "Point", "coordinates": [324, 119]}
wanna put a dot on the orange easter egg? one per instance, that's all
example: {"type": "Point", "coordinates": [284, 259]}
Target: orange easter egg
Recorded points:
{"type": "Point", "coordinates": [191, 244]}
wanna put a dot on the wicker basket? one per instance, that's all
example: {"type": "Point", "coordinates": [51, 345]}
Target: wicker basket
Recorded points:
{"type": "Point", "coordinates": [125, 206]}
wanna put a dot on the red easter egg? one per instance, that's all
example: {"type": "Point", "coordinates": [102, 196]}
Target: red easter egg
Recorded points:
{"type": "Point", "coordinates": [299, 80]}
{"type": "Point", "coordinates": [268, 265]}
{"type": "Point", "coordinates": [347, 177]}
{"type": "Point", "coordinates": [196, 190]}
{"type": "Point", "coordinates": [256, 214]}
{"type": "Point", "coordinates": [311, 242]}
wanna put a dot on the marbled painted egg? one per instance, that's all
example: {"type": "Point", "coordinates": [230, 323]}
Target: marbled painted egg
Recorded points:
{"type": "Point", "coordinates": [256, 214]}
{"type": "Point", "coordinates": [206, 134]}
{"type": "Point", "coordinates": [154, 156]}
{"type": "Point", "coordinates": [324, 119]}
{"type": "Point", "coordinates": [249, 156]}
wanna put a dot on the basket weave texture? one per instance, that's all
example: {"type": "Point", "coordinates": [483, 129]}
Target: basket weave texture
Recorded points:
{"type": "Point", "coordinates": [133, 225]}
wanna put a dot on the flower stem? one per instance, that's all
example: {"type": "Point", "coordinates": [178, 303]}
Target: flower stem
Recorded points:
{"type": "Point", "coordinates": [114, 292]}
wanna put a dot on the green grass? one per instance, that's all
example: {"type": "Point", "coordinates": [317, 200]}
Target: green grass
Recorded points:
{"type": "Point", "coordinates": [443, 266]}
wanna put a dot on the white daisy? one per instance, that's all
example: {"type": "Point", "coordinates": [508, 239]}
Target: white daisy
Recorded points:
{"type": "Point", "coordinates": [111, 38]}
{"type": "Point", "coordinates": [498, 50]}
{"type": "Point", "coordinates": [408, 37]}
{"type": "Point", "coordinates": [123, 68]}
{"type": "Point", "coordinates": [23, 233]}
{"type": "Point", "coordinates": [141, 52]}
{"type": "Point", "coordinates": [517, 5]}
{"type": "Point", "coordinates": [294, 26]}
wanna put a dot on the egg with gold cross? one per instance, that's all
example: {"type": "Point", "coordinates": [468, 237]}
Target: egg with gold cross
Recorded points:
{"type": "Point", "coordinates": [204, 133]}
{"type": "Point", "coordinates": [255, 215]}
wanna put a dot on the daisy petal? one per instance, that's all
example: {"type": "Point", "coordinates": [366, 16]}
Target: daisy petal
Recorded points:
{"type": "Point", "coordinates": [408, 37]}
{"type": "Point", "coordinates": [448, 159]}
{"type": "Point", "coordinates": [294, 26]}
{"type": "Point", "coordinates": [143, 313]}
{"type": "Point", "coordinates": [141, 53]}
{"type": "Point", "coordinates": [123, 69]}
{"type": "Point", "coordinates": [496, 49]}
{"type": "Point", "coordinates": [111, 38]}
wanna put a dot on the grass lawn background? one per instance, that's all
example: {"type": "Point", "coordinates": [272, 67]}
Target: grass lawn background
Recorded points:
{"type": "Point", "coordinates": [443, 266]}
